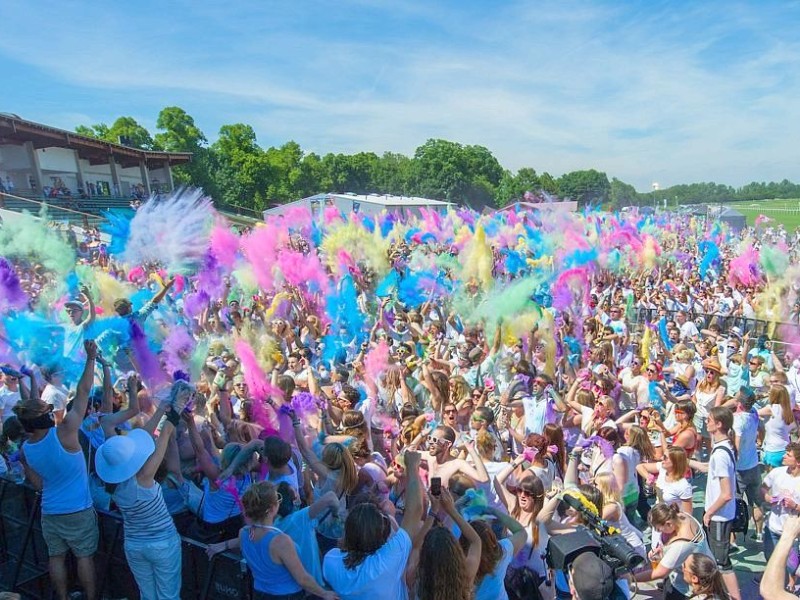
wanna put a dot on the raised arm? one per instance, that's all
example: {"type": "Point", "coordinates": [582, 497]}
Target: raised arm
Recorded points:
{"type": "Point", "coordinates": [92, 310]}
{"type": "Point", "coordinates": [478, 472]}
{"type": "Point", "coordinates": [110, 421]}
{"type": "Point", "coordinates": [474, 552]}
{"type": "Point", "coordinates": [163, 292]}
{"type": "Point", "coordinates": [314, 463]}
{"type": "Point", "coordinates": [72, 421]}
{"type": "Point", "coordinates": [412, 517]}
{"type": "Point", "coordinates": [204, 460]}
{"type": "Point", "coordinates": [775, 572]}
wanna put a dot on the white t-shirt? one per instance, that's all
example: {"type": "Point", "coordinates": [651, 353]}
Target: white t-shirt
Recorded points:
{"type": "Point", "coordinates": [672, 492]}
{"type": "Point", "coordinates": [55, 396]}
{"type": "Point", "coordinates": [8, 400]}
{"type": "Point", "coordinates": [720, 465]}
{"type": "Point", "coordinates": [745, 425]}
{"type": "Point", "coordinates": [492, 586]}
{"type": "Point", "coordinates": [776, 432]}
{"type": "Point", "coordinates": [780, 483]}
{"type": "Point", "coordinates": [689, 331]}
{"type": "Point", "coordinates": [379, 577]}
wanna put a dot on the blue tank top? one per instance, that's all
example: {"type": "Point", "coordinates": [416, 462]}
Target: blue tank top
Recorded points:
{"type": "Point", "coordinates": [65, 480]}
{"type": "Point", "coordinates": [268, 576]}
{"type": "Point", "coordinates": [220, 504]}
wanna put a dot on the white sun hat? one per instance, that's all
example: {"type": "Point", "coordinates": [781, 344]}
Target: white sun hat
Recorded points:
{"type": "Point", "coordinates": [121, 457]}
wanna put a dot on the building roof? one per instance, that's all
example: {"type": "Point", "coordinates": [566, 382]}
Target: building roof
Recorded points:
{"type": "Point", "coordinates": [14, 130]}
{"type": "Point", "coordinates": [382, 199]}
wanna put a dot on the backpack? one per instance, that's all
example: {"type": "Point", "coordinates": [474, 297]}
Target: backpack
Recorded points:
{"type": "Point", "coordinates": [741, 520]}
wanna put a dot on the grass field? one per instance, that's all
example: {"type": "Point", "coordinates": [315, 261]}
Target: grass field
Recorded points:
{"type": "Point", "coordinates": [781, 210]}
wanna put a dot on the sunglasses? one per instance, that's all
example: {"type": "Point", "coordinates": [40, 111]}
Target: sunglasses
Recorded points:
{"type": "Point", "coordinates": [539, 382]}
{"type": "Point", "coordinates": [448, 411]}
{"type": "Point", "coordinates": [437, 441]}
{"type": "Point", "coordinates": [651, 370]}
{"type": "Point", "coordinates": [754, 363]}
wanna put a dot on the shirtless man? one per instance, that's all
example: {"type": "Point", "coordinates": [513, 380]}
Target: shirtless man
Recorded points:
{"type": "Point", "coordinates": [442, 464]}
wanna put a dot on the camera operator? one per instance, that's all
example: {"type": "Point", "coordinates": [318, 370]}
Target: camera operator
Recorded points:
{"type": "Point", "coordinates": [592, 579]}
{"type": "Point", "coordinates": [574, 520]}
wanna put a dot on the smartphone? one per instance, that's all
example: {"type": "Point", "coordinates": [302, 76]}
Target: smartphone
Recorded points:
{"type": "Point", "coordinates": [436, 486]}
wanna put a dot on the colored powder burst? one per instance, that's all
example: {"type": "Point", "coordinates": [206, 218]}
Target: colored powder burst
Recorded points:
{"type": "Point", "coordinates": [744, 268]}
{"type": "Point", "coordinates": [173, 232]}
{"type": "Point", "coordinates": [568, 285]}
{"type": "Point", "coordinates": [774, 260]}
{"type": "Point", "coordinates": [177, 349]}
{"type": "Point", "coordinates": [146, 361]}
{"type": "Point", "coordinates": [342, 308]}
{"type": "Point", "coordinates": [388, 285]}
{"type": "Point", "coordinates": [377, 361]}
{"type": "Point", "coordinates": [359, 244]}
{"type": "Point", "coordinates": [478, 260]}
{"type": "Point", "coordinates": [118, 226]}
{"type": "Point", "coordinates": [710, 252]}
{"type": "Point", "coordinates": [198, 359]}
{"type": "Point", "coordinates": [303, 271]}
{"type": "Point", "coordinates": [261, 248]}
{"type": "Point", "coordinates": [11, 294]}
{"type": "Point", "coordinates": [224, 245]}
{"type": "Point", "coordinates": [30, 238]}
{"type": "Point", "coordinates": [507, 303]}
{"type": "Point", "coordinates": [257, 381]}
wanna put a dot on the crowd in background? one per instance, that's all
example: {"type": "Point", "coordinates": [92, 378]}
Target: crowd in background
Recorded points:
{"type": "Point", "coordinates": [398, 408]}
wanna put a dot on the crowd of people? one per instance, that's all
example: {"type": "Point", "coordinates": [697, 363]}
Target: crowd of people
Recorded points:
{"type": "Point", "coordinates": [419, 407]}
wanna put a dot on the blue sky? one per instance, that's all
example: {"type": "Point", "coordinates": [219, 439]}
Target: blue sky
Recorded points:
{"type": "Point", "coordinates": [671, 92]}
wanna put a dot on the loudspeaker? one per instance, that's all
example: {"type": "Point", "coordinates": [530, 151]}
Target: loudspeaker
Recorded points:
{"type": "Point", "coordinates": [562, 549]}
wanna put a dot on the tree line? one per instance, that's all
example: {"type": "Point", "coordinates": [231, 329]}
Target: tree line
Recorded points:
{"type": "Point", "coordinates": [237, 172]}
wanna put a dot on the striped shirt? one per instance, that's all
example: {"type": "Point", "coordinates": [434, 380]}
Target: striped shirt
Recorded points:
{"type": "Point", "coordinates": [144, 511]}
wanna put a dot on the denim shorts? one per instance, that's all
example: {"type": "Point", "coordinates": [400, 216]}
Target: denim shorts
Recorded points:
{"type": "Point", "coordinates": [74, 531]}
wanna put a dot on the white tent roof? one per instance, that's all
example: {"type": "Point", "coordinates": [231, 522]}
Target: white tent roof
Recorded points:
{"type": "Point", "coordinates": [383, 199]}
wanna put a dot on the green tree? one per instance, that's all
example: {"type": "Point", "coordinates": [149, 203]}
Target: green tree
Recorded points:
{"type": "Point", "coordinates": [622, 194]}
{"type": "Point", "coordinates": [241, 169]}
{"type": "Point", "coordinates": [392, 174]}
{"type": "Point", "coordinates": [586, 187]}
{"type": "Point", "coordinates": [128, 132]}
{"type": "Point", "coordinates": [99, 131]}
{"type": "Point", "coordinates": [125, 131]}
{"type": "Point", "coordinates": [513, 187]}
{"type": "Point", "coordinates": [180, 134]}
{"type": "Point", "coordinates": [549, 184]}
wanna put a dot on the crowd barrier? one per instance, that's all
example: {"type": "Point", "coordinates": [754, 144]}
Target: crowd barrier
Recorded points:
{"type": "Point", "coordinates": [23, 556]}
{"type": "Point", "coordinates": [755, 327]}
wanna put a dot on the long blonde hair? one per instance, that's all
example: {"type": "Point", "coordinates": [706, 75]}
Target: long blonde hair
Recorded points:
{"type": "Point", "coordinates": [338, 458]}
{"type": "Point", "coordinates": [778, 394]}
{"type": "Point", "coordinates": [607, 484]}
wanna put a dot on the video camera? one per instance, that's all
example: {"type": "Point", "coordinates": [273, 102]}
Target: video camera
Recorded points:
{"type": "Point", "coordinates": [597, 537]}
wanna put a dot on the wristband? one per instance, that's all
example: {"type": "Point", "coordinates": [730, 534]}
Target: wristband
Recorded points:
{"type": "Point", "coordinates": [173, 417]}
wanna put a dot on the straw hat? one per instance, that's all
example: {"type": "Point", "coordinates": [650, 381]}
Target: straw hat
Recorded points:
{"type": "Point", "coordinates": [712, 364]}
{"type": "Point", "coordinates": [121, 457]}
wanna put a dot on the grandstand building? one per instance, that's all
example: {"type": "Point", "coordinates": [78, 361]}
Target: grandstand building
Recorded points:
{"type": "Point", "coordinates": [38, 161]}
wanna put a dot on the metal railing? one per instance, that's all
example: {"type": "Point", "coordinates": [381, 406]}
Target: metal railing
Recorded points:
{"type": "Point", "coordinates": [55, 212]}
{"type": "Point", "coordinates": [24, 559]}
{"type": "Point", "coordinates": [755, 327]}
